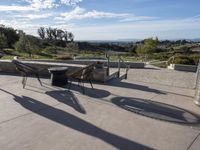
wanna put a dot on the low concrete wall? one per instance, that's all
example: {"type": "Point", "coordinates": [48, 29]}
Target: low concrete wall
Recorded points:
{"type": "Point", "coordinates": [7, 67]}
{"type": "Point", "coordinates": [180, 67]}
{"type": "Point", "coordinates": [85, 62]}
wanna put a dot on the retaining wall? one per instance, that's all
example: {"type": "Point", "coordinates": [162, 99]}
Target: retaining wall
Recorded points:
{"type": "Point", "coordinates": [7, 67]}
{"type": "Point", "coordinates": [180, 67]}
{"type": "Point", "coordinates": [113, 64]}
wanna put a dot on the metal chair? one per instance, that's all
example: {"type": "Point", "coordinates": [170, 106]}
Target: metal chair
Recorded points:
{"type": "Point", "coordinates": [83, 74]}
{"type": "Point", "coordinates": [26, 71]}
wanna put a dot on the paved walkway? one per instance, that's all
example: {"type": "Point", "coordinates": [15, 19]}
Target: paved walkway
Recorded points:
{"type": "Point", "coordinates": [126, 114]}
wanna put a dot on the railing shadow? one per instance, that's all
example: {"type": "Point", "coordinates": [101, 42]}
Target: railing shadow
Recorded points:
{"type": "Point", "coordinates": [75, 123]}
{"type": "Point", "coordinates": [68, 98]}
{"type": "Point", "coordinates": [157, 110]}
{"type": "Point", "coordinates": [119, 83]}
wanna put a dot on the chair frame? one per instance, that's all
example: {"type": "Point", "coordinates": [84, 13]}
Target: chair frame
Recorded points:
{"type": "Point", "coordinates": [26, 71]}
{"type": "Point", "coordinates": [83, 74]}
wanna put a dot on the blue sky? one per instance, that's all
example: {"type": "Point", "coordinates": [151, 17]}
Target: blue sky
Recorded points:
{"type": "Point", "coordinates": [106, 19]}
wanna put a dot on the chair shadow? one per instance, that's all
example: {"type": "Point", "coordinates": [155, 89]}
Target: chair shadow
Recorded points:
{"type": "Point", "coordinates": [75, 123]}
{"type": "Point", "coordinates": [68, 98]}
{"type": "Point", "coordinates": [119, 83]}
{"type": "Point", "coordinates": [157, 110]}
{"type": "Point", "coordinates": [91, 92]}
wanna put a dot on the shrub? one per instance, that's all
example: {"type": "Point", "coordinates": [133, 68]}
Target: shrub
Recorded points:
{"type": "Point", "coordinates": [64, 57]}
{"type": "Point", "coordinates": [53, 49]}
{"type": "Point", "coordinates": [3, 41]}
{"type": "Point", "coordinates": [184, 60]}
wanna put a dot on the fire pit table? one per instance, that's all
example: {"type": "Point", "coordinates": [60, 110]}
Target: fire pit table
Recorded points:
{"type": "Point", "coordinates": [58, 77]}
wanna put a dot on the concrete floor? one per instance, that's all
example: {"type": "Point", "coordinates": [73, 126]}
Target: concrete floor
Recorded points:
{"type": "Point", "coordinates": [153, 109]}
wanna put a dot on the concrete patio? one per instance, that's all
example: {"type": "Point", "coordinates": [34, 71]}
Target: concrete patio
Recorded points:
{"type": "Point", "coordinates": [153, 109]}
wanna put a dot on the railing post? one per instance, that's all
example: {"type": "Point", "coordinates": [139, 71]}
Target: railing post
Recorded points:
{"type": "Point", "coordinates": [127, 68]}
{"type": "Point", "coordinates": [119, 66]}
{"type": "Point", "coordinates": [197, 86]}
{"type": "Point", "coordinates": [108, 64]}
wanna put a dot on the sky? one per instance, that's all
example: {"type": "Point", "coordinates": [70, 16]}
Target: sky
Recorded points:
{"type": "Point", "coordinates": [106, 19]}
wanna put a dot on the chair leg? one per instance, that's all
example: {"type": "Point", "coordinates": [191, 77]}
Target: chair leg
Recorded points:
{"type": "Point", "coordinates": [70, 83]}
{"type": "Point", "coordinates": [79, 81]}
{"type": "Point", "coordinates": [24, 82]}
{"type": "Point", "coordinates": [91, 84]}
{"type": "Point", "coordinates": [83, 87]}
{"type": "Point", "coordinates": [39, 79]}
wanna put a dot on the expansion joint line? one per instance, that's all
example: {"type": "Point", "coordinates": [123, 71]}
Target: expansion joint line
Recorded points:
{"type": "Point", "coordinates": [29, 113]}
{"type": "Point", "coordinates": [193, 141]}
{"type": "Point", "coordinates": [154, 97]}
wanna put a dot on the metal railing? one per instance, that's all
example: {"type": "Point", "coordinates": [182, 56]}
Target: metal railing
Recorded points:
{"type": "Point", "coordinates": [126, 66]}
{"type": "Point", "coordinates": [120, 61]}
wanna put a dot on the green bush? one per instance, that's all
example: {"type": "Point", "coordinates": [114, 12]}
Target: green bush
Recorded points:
{"type": "Point", "coordinates": [196, 58]}
{"type": "Point", "coordinates": [64, 57]}
{"type": "Point", "coordinates": [8, 51]}
{"type": "Point", "coordinates": [53, 49]}
{"type": "Point", "coordinates": [160, 56]}
{"type": "Point", "coordinates": [184, 60]}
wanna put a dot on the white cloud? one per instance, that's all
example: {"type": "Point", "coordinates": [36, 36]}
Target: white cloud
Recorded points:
{"type": "Point", "coordinates": [79, 13]}
{"type": "Point", "coordinates": [182, 28]}
{"type": "Point", "coordinates": [42, 4]}
{"type": "Point", "coordinates": [128, 25]}
{"type": "Point", "coordinates": [164, 29]}
{"type": "Point", "coordinates": [70, 2]}
{"type": "Point", "coordinates": [15, 8]}
{"type": "Point", "coordinates": [35, 16]}
{"type": "Point", "coordinates": [33, 5]}
{"type": "Point", "coordinates": [39, 4]}
{"type": "Point", "coordinates": [137, 18]}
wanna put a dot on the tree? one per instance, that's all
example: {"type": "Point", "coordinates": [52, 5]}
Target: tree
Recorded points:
{"type": "Point", "coordinates": [65, 36]}
{"type": "Point", "coordinates": [28, 44]}
{"type": "Point", "coordinates": [148, 47]}
{"type": "Point", "coordinates": [71, 36]}
{"type": "Point", "coordinates": [60, 34]}
{"type": "Point", "coordinates": [49, 32]}
{"type": "Point", "coordinates": [3, 41]}
{"type": "Point", "coordinates": [72, 47]}
{"type": "Point", "coordinates": [54, 33]}
{"type": "Point", "coordinates": [132, 49]}
{"type": "Point", "coordinates": [10, 34]}
{"type": "Point", "coordinates": [57, 37]}
{"type": "Point", "coordinates": [41, 32]}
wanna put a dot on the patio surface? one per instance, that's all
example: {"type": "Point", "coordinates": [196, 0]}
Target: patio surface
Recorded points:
{"type": "Point", "coordinates": [153, 109]}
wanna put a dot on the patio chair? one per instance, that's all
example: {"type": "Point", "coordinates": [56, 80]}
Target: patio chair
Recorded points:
{"type": "Point", "coordinates": [26, 70]}
{"type": "Point", "coordinates": [83, 74]}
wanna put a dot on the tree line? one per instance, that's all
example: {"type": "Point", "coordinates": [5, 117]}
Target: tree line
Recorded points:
{"type": "Point", "coordinates": [20, 41]}
{"type": "Point", "coordinates": [54, 34]}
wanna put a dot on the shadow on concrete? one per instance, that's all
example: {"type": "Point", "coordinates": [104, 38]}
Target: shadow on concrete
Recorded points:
{"type": "Point", "coordinates": [157, 110]}
{"type": "Point", "coordinates": [151, 68]}
{"type": "Point", "coordinates": [75, 123]}
{"type": "Point", "coordinates": [68, 98]}
{"type": "Point", "coordinates": [94, 93]}
{"type": "Point", "coordinates": [119, 83]}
